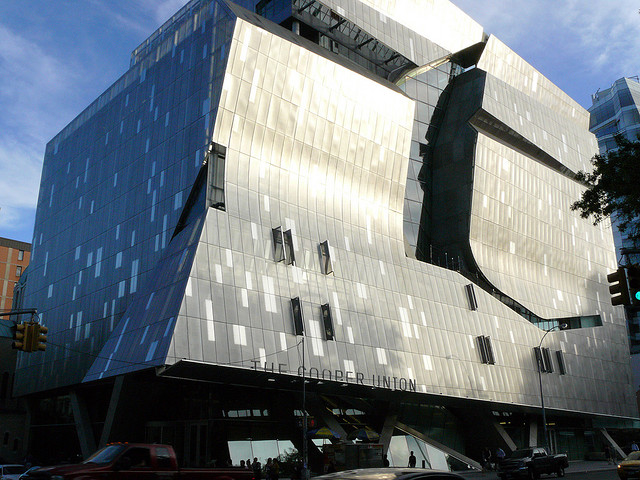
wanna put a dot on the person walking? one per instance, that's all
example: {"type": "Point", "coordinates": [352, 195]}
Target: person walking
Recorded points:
{"type": "Point", "coordinates": [486, 458]}
{"type": "Point", "coordinates": [412, 460]}
{"type": "Point", "coordinates": [500, 456]}
{"type": "Point", "coordinates": [607, 454]}
{"type": "Point", "coordinates": [257, 469]}
{"type": "Point", "coordinates": [267, 469]}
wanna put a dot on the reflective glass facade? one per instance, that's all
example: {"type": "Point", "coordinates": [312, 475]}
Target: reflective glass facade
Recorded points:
{"type": "Point", "coordinates": [426, 190]}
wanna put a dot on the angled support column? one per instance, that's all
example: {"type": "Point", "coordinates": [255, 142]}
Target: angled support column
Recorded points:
{"type": "Point", "coordinates": [389, 425]}
{"type": "Point", "coordinates": [505, 436]}
{"type": "Point", "coordinates": [612, 442]}
{"type": "Point", "coordinates": [83, 424]}
{"type": "Point", "coordinates": [112, 411]}
{"type": "Point", "coordinates": [438, 445]}
{"type": "Point", "coordinates": [316, 406]}
{"type": "Point", "coordinates": [533, 433]}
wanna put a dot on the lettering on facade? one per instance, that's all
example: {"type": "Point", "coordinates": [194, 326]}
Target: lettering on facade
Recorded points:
{"type": "Point", "coordinates": [357, 378]}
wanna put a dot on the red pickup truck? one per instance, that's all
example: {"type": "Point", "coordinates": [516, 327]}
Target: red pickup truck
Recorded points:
{"type": "Point", "coordinates": [135, 461]}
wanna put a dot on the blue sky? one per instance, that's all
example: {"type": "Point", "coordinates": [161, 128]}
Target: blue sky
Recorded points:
{"type": "Point", "coordinates": [56, 57]}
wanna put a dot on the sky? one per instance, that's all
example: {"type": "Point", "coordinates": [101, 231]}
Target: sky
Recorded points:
{"type": "Point", "coordinates": [57, 57]}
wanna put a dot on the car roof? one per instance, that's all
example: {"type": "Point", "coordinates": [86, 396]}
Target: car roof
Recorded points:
{"type": "Point", "coordinates": [390, 473]}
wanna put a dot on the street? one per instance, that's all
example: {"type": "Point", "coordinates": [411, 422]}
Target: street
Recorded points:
{"type": "Point", "coordinates": [593, 475]}
{"type": "Point", "coordinates": [577, 470]}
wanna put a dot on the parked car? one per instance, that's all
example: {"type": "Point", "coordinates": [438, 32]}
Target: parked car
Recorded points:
{"type": "Point", "coordinates": [11, 472]}
{"type": "Point", "coordinates": [630, 466]}
{"type": "Point", "coordinates": [530, 463]}
{"type": "Point", "coordinates": [135, 461]}
{"type": "Point", "coordinates": [390, 474]}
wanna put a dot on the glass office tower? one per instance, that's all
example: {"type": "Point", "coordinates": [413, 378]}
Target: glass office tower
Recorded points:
{"type": "Point", "coordinates": [368, 201]}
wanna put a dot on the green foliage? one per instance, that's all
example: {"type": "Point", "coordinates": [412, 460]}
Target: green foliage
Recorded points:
{"type": "Point", "coordinates": [613, 188]}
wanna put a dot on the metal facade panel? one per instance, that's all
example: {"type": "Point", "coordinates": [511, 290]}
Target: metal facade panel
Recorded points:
{"type": "Point", "coordinates": [114, 182]}
{"type": "Point", "coordinates": [394, 316]}
{"type": "Point", "coordinates": [323, 152]}
{"type": "Point", "coordinates": [503, 63]}
{"type": "Point", "coordinates": [438, 21]}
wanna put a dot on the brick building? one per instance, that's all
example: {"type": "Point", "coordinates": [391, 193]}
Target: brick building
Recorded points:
{"type": "Point", "coordinates": [14, 258]}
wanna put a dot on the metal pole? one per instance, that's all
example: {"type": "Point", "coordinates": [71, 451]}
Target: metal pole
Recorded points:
{"type": "Point", "coordinates": [305, 453]}
{"type": "Point", "coordinates": [544, 416]}
{"type": "Point", "coordinates": [562, 326]}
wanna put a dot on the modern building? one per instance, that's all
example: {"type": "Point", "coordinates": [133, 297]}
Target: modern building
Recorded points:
{"type": "Point", "coordinates": [360, 211]}
{"type": "Point", "coordinates": [617, 111]}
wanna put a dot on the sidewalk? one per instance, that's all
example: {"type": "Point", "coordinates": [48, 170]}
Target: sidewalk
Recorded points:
{"type": "Point", "coordinates": [579, 466]}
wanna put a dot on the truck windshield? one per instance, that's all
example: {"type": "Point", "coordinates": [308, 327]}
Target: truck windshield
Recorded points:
{"type": "Point", "coordinates": [521, 454]}
{"type": "Point", "coordinates": [105, 455]}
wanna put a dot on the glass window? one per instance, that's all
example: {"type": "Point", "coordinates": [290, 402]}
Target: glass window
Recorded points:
{"type": "Point", "coordinates": [164, 457]}
{"type": "Point", "coordinates": [625, 98]}
{"type": "Point", "coordinates": [18, 271]}
{"type": "Point", "coordinates": [20, 254]}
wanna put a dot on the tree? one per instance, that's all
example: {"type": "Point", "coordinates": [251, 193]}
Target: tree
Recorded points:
{"type": "Point", "coordinates": [613, 188]}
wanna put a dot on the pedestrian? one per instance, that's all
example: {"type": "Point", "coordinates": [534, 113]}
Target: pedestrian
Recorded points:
{"type": "Point", "coordinates": [486, 458]}
{"type": "Point", "coordinates": [331, 468]}
{"type": "Point", "coordinates": [249, 464]}
{"type": "Point", "coordinates": [267, 469]}
{"type": "Point", "coordinates": [500, 455]}
{"type": "Point", "coordinates": [297, 470]}
{"type": "Point", "coordinates": [257, 468]}
{"type": "Point", "coordinates": [275, 469]}
{"type": "Point", "coordinates": [634, 446]}
{"type": "Point", "coordinates": [607, 454]}
{"type": "Point", "coordinates": [242, 464]}
{"type": "Point", "coordinates": [385, 460]}
{"type": "Point", "coordinates": [412, 460]}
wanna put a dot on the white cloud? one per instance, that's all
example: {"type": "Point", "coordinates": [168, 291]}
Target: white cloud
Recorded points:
{"type": "Point", "coordinates": [581, 46]}
{"type": "Point", "coordinates": [165, 9]}
{"type": "Point", "coordinates": [31, 85]}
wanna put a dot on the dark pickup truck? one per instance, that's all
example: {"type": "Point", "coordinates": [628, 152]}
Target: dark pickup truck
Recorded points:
{"type": "Point", "coordinates": [530, 463]}
{"type": "Point", "coordinates": [135, 461]}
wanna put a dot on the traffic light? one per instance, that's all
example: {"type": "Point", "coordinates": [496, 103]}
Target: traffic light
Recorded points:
{"type": "Point", "coordinates": [29, 337]}
{"type": "Point", "coordinates": [633, 278]}
{"type": "Point", "coordinates": [21, 337]}
{"type": "Point", "coordinates": [619, 288]}
{"type": "Point", "coordinates": [39, 338]}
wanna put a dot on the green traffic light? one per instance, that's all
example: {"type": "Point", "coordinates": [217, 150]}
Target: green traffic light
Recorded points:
{"type": "Point", "coordinates": [638, 295]}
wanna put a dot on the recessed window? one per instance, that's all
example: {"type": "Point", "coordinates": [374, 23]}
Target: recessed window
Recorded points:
{"type": "Point", "coordinates": [283, 246]}
{"type": "Point", "coordinates": [471, 296]}
{"type": "Point", "coordinates": [20, 254]}
{"type": "Point", "coordinates": [326, 266]}
{"type": "Point", "coordinates": [546, 356]}
{"type": "Point", "coordinates": [561, 365]}
{"type": "Point", "coordinates": [298, 322]}
{"type": "Point", "coordinates": [327, 321]}
{"type": "Point", "coordinates": [278, 244]}
{"type": "Point", "coordinates": [543, 358]}
{"type": "Point", "coordinates": [18, 271]}
{"type": "Point", "coordinates": [290, 256]}
{"type": "Point", "coordinates": [486, 350]}
{"type": "Point", "coordinates": [215, 159]}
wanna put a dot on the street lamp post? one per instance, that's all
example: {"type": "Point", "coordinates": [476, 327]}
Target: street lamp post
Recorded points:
{"type": "Point", "coordinates": [305, 449]}
{"type": "Point", "coordinates": [562, 326]}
